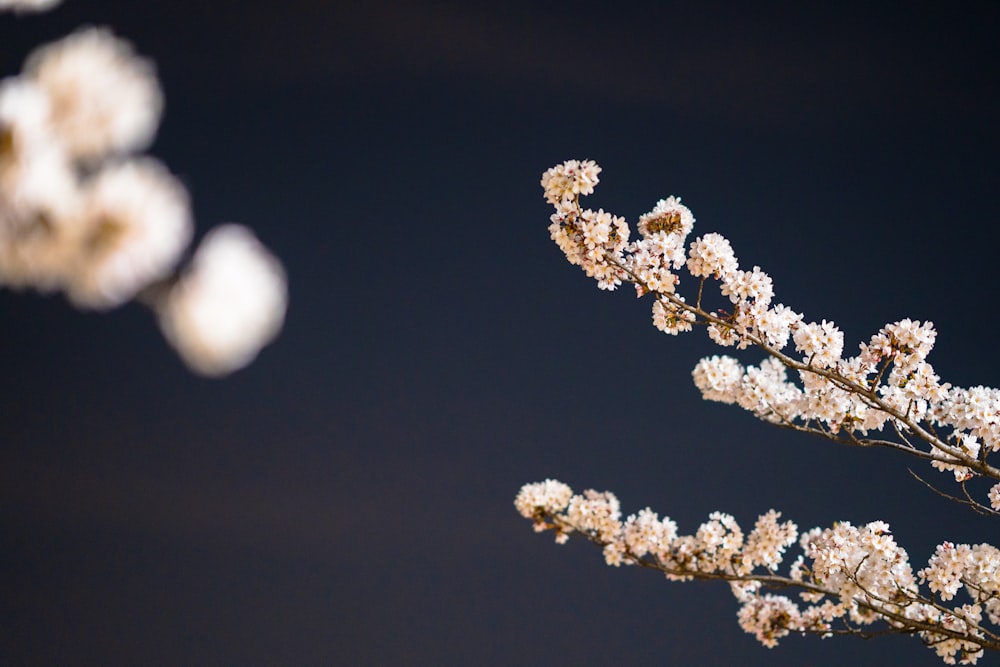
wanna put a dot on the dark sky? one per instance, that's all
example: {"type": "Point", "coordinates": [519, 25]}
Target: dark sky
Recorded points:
{"type": "Point", "coordinates": [347, 499]}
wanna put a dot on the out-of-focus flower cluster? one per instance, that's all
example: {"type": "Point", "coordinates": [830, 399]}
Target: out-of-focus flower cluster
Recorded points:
{"type": "Point", "coordinates": [233, 284]}
{"type": "Point", "coordinates": [28, 5]}
{"type": "Point", "coordinates": [83, 213]}
{"type": "Point", "coordinates": [848, 576]}
{"type": "Point", "coordinates": [887, 383]}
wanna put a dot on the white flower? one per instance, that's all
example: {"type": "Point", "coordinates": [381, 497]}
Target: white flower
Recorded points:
{"type": "Point", "coordinates": [24, 108]}
{"type": "Point", "coordinates": [38, 192]}
{"type": "Point", "coordinates": [718, 378]}
{"type": "Point", "coordinates": [719, 541]}
{"type": "Point", "coordinates": [766, 391]}
{"type": "Point", "coordinates": [133, 226]}
{"type": "Point", "coordinates": [669, 217]}
{"type": "Point", "coordinates": [711, 255]}
{"type": "Point", "coordinates": [592, 239]}
{"type": "Point", "coordinates": [104, 98]}
{"type": "Point", "coordinates": [769, 618]}
{"type": "Point", "coordinates": [28, 5]}
{"type": "Point", "coordinates": [35, 176]}
{"type": "Point", "coordinates": [646, 533]}
{"type": "Point", "coordinates": [35, 251]}
{"type": "Point", "coordinates": [746, 285]}
{"type": "Point", "coordinates": [227, 305]}
{"type": "Point", "coordinates": [671, 319]}
{"type": "Point", "coordinates": [822, 344]}
{"type": "Point", "coordinates": [614, 554]}
{"type": "Point", "coordinates": [858, 574]}
{"type": "Point", "coordinates": [570, 179]}
{"type": "Point", "coordinates": [550, 496]}
{"type": "Point", "coordinates": [596, 513]}
{"type": "Point", "coordinates": [945, 569]}
{"type": "Point", "coordinates": [911, 337]}
{"type": "Point", "coordinates": [774, 324]}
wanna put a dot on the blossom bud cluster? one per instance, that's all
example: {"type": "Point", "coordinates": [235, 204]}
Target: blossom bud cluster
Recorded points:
{"type": "Point", "coordinates": [82, 212]}
{"type": "Point", "coordinates": [854, 574]}
{"type": "Point", "coordinates": [588, 238]}
{"type": "Point", "coordinates": [889, 381]}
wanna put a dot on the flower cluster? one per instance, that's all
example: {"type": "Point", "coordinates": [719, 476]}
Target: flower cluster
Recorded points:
{"type": "Point", "coordinates": [887, 383]}
{"type": "Point", "coordinates": [588, 238]}
{"type": "Point", "coordinates": [82, 212]}
{"type": "Point", "coordinates": [854, 576]}
{"type": "Point", "coordinates": [233, 287]}
{"type": "Point", "coordinates": [28, 5]}
{"type": "Point", "coordinates": [848, 577]}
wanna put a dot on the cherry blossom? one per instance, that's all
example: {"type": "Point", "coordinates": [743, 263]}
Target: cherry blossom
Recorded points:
{"type": "Point", "coordinates": [856, 576]}
{"type": "Point", "coordinates": [81, 212]}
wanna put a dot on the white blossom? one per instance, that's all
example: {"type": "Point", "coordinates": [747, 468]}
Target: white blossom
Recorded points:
{"type": "Point", "coordinates": [228, 305]}
{"type": "Point", "coordinates": [670, 319]}
{"type": "Point", "coordinates": [945, 569]}
{"type": "Point", "coordinates": [775, 325]}
{"type": "Point", "coordinates": [550, 497]}
{"type": "Point", "coordinates": [79, 213]}
{"type": "Point", "coordinates": [28, 5]}
{"type": "Point", "coordinates": [769, 618]}
{"type": "Point", "coordinates": [645, 533]}
{"type": "Point", "coordinates": [36, 178]}
{"type": "Point", "coordinates": [103, 98]}
{"type": "Point", "coordinates": [711, 255]}
{"type": "Point", "coordinates": [888, 382]}
{"type": "Point", "coordinates": [822, 344]}
{"type": "Point", "coordinates": [596, 513]}
{"type": "Point", "coordinates": [753, 285]}
{"type": "Point", "coordinates": [718, 378]}
{"type": "Point", "coordinates": [669, 219]}
{"type": "Point", "coordinates": [134, 223]}
{"type": "Point", "coordinates": [39, 192]}
{"type": "Point", "coordinates": [569, 180]}
{"type": "Point", "coordinates": [855, 573]}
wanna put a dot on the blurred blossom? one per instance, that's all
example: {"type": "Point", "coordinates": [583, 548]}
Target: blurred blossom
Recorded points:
{"type": "Point", "coordinates": [104, 98]}
{"type": "Point", "coordinates": [38, 191]}
{"type": "Point", "coordinates": [35, 175]}
{"type": "Point", "coordinates": [28, 5]}
{"type": "Point", "coordinates": [85, 97]}
{"type": "Point", "coordinates": [78, 214]}
{"type": "Point", "coordinates": [227, 305]}
{"type": "Point", "coordinates": [134, 223]}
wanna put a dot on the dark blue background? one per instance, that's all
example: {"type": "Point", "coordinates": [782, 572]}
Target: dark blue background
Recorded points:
{"type": "Point", "coordinates": [347, 499]}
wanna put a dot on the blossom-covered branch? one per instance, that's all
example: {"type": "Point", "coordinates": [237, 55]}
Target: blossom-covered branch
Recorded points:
{"type": "Point", "coordinates": [887, 386]}
{"type": "Point", "coordinates": [83, 213]}
{"type": "Point", "coordinates": [850, 579]}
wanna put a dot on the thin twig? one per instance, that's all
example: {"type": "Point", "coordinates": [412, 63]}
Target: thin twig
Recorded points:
{"type": "Point", "coordinates": [968, 500]}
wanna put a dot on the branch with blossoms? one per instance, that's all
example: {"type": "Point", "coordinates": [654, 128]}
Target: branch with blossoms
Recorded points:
{"type": "Point", "coordinates": [82, 212]}
{"type": "Point", "coordinates": [887, 387]}
{"type": "Point", "coordinates": [850, 579]}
